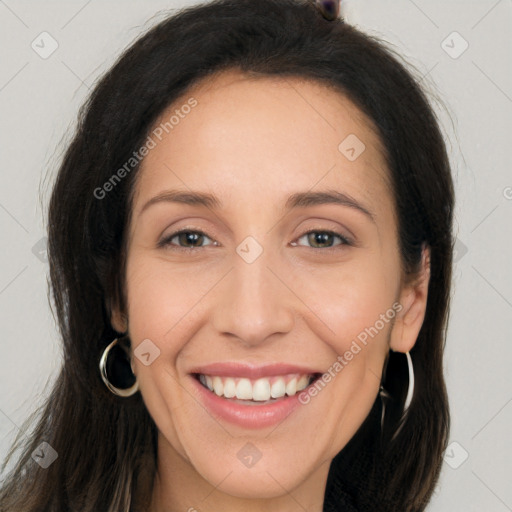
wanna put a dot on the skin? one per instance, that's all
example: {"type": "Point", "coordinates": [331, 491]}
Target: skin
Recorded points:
{"type": "Point", "coordinates": [254, 141]}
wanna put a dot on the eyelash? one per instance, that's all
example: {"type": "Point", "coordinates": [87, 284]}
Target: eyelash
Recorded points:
{"type": "Point", "coordinates": [166, 242]}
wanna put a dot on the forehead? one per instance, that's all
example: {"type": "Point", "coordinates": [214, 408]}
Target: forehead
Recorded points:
{"type": "Point", "coordinates": [273, 135]}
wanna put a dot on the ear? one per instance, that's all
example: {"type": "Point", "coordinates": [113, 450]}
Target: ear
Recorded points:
{"type": "Point", "coordinates": [117, 319]}
{"type": "Point", "coordinates": [413, 299]}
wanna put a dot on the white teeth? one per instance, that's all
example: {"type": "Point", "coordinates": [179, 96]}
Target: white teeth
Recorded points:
{"type": "Point", "coordinates": [244, 389]}
{"type": "Point", "coordinates": [303, 382]}
{"type": "Point", "coordinates": [218, 387]}
{"type": "Point", "coordinates": [260, 390]}
{"type": "Point", "coordinates": [229, 388]}
{"type": "Point", "coordinates": [291, 387]}
{"type": "Point", "coordinates": [278, 389]}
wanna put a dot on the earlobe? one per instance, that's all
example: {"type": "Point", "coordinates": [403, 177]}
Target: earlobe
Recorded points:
{"type": "Point", "coordinates": [413, 299]}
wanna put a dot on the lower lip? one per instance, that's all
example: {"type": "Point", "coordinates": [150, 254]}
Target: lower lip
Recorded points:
{"type": "Point", "coordinates": [247, 416]}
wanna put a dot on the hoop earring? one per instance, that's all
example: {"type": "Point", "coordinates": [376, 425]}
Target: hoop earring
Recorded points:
{"type": "Point", "coordinates": [121, 371]}
{"type": "Point", "coordinates": [384, 395]}
{"type": "Point", "coordinates": [410, 389]}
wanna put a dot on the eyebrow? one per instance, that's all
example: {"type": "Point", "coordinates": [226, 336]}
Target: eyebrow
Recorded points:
{"type": "Point", "coordinates": [305, 199]}
{"type": "Point", "coordinates": [296, 200]}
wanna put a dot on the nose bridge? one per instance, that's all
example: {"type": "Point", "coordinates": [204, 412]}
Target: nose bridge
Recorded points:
{"type": "Point", "coordinates": [253, 304]}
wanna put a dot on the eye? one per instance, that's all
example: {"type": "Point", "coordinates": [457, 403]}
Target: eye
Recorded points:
{"type": "Point", "coordinates": [187, 239]}
{"type": "Point", "coordinates": [323, 239]}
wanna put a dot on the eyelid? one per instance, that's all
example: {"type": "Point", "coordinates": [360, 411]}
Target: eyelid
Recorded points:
{"type": "Point", "coordinates": [166, 240]}
{"type": "Point", "coordinates": [344, 239]}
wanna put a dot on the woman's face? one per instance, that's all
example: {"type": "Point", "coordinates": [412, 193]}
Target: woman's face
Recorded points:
{"type": "Point", "coordinates": [248, 297]}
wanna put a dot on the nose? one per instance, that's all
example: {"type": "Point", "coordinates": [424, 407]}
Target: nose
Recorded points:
{"type": "Point", "coordinates": [253, 303]}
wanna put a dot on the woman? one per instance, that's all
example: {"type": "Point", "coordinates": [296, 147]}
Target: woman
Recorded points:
{"type": "Point", "coordinates": [250, 247]}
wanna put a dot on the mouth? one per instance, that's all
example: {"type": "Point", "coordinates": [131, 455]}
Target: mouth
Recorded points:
{"type": "Point", "coordinates": [256, 392]}
{"type": "Point", "coordinates": [253, 396]}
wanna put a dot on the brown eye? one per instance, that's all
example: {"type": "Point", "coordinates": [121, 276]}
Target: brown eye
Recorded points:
{"type": "Point", "coordinates": [186, 239]}
{"type": "Point", "coordinates": [324, 239]}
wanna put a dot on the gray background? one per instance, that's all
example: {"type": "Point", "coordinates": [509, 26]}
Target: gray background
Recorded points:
{"type": "Point", "coordinates": [39, 99]}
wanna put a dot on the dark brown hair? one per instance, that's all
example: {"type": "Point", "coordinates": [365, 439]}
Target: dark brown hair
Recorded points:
{"type": "Point", "coordinates": [106, 444]}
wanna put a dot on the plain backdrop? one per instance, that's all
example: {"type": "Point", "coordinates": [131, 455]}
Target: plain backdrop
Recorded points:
{"type": "Point", "coordinates": [463, 49]}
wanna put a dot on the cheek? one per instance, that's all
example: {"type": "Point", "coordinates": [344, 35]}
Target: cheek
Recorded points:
{"type": "Point", "coordinates": [352, 300]}
{"type": "Point", "coordinates": [160, 298]}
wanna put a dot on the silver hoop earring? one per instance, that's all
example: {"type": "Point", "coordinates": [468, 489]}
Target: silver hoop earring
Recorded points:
{"type": "Point", "coordinates": [410, 389]}
{"type": "Point", "coordinates": [118, 369]}
{"type": "Point", "coordinates": [410, 392]}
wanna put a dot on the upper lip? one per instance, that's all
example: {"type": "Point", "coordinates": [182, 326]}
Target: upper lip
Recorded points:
{"type": "Point", "coordinates": [250, 371]}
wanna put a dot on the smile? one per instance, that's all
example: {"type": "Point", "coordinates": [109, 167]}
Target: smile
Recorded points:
{"type": "Point", "coordinates": [252, 397]}
{"type": "Point", "coordinates": [256, 390]}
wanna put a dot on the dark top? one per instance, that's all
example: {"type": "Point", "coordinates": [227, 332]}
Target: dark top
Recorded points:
{"type": "Point", "coordinates": [347, 483]}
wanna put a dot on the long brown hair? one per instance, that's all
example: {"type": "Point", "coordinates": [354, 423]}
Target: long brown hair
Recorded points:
{"type": "Point", "coordinates": [106, 444]}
